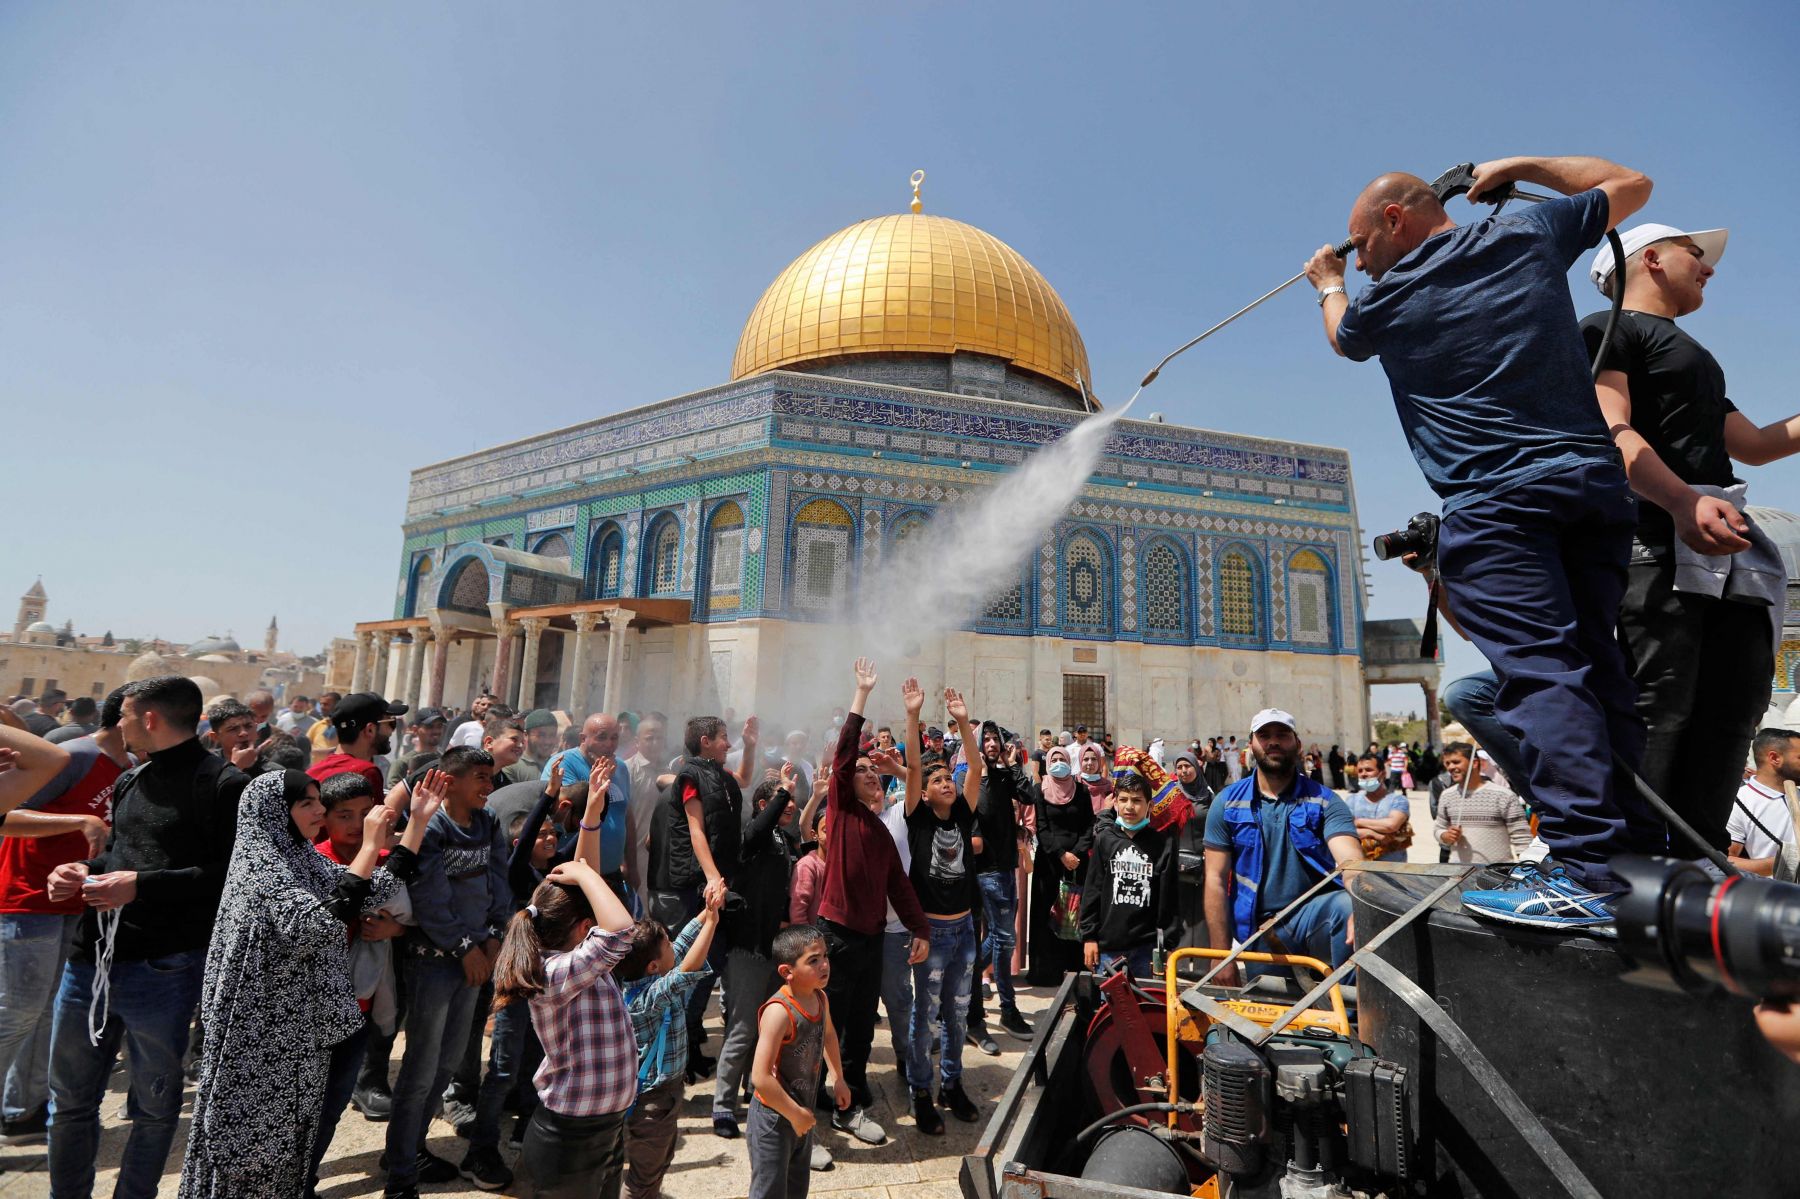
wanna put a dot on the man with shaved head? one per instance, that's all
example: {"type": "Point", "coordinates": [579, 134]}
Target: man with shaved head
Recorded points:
{"type": "Point", "coordinates": [599, 739]}
{"type": "Point", "coordinates": [1476, 330]}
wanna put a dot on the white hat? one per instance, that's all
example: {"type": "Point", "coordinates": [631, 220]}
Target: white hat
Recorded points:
{"type": "Point", "coordinates": [1710, 241]}
{"type": "Point", "coordinates": [1272, 716]}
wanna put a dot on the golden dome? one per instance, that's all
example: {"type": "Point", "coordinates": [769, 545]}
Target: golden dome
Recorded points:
{"type": "Point", "coordinates": [912, 283]}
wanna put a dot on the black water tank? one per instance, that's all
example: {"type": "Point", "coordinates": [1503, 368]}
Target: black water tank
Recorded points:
{"type": "Point", "coordinates": [1649, 1092]}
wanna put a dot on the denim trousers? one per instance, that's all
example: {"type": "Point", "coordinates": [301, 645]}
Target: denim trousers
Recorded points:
{"type": "Point", "coordinates": [1137, 959]}
{"type": "Point", "coordinates": [439, 1007]}
{"type": "Point", "coordinates": [1470, 700]}
{"type": "Point", "coordinates": [897, 1001]}
{"type": "Point", "coordinates": [340, 1080]}
{"type": "Point", "coordinates": [33, 948]}
{"type": "Point", "coordinates": [150, 1006]}
{"type": "Point", "coordinates": [750, 978]}
{"type": "Point", "coordinates": [506, 1057]}
{"type": "Point", "coordinates": [1536, 576]}
{"type": "Point", "coordinates": [1316, 929]}
{"type": "Point", "coordinates": [941, 989]}
{"type": "Point", "coordinates": [1000, 909]}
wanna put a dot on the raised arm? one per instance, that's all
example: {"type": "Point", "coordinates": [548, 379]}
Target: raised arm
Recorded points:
{"type": "Point", "coordinates": [587, 842]}
{"type": "Point", "coordinates": [1626, 190]}
{"type": "Point", "coordinates": [913, 697]}
{"type": "Point", "coordinates": [971, 746]}
{"type": "Point", "coordinates": [843, 762]}
{"type": "Point", "coordinates": [746, 771]}
{"type": "Point", "coordinates": [34, 762]}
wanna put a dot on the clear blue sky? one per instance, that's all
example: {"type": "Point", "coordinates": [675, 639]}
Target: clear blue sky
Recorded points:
{"type": "Point", "coordinates": [257, 261]}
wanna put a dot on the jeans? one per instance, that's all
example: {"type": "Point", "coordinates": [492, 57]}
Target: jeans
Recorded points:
{"type": "Point", "coordinates": [853, 991]}
{"type": "Point", "coordinates": [1138, 961]}
{"type": "Point", "coordinates": [465, 1080]}
{"type": "Point", "coordinates": [941, 986]}
{"type": "Point", "coordinates": [33, 948]}
{"type": "Point", "coordinates": [1000, 908]}
{"type": "Point", "coordinates": [750, 978]}
{"type": "Point", "coordinates": [897, 999]}
{"type": "Point", "coordinates": [1316, 929]}
{"type": "Point", "coordinates": [439, 1007]}
{"type": "Point", "coordinates": [574, 1157]}
{"type": "Point", "coordinates": [512, 1028]}
{"type": "Point", "coordinates": [1703, 668]}
{"type": "Point", "coordinates": [340, 1081]}
{"type": "Point", "coordinates": [1536, 575]}
{"type": "Point", "coordinates": [1470, 700]}
{"type": "Point", "coordinates": [150, 1005]}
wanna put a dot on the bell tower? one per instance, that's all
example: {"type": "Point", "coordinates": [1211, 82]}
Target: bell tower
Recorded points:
{"type": "Point", "coordinates": [31, 609]}
{"type": "Point", "coordinates": [271, 636]}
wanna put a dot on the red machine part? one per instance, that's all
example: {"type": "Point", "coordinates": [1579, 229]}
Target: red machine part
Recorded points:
{"type": "Point", "coordinates": [1125, 1053]}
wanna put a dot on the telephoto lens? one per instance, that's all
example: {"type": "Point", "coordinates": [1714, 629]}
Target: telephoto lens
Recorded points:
{"type": "Point", "coordinates": [1682, 926]}
{"type": "Point", "coordinates": [1420, 536]}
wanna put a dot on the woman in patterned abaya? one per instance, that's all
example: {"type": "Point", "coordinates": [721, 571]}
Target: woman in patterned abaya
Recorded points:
{"type": "Point", "coordinates": [1065, 832]}
{"type": "Point", "coordinates": [278, 995]}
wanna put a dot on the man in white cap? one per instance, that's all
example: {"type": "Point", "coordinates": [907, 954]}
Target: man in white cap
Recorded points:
{"type": "Point", "coordinates": [1705, 592]}
{"type": "Point", "coordinates": [1269, 837]}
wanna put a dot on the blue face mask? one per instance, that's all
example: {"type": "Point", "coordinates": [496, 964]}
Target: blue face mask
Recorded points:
{"type": "Point", "coordinates": [1092, 778]}
{"type": "Point", "coordinates": [1370, 785]}
{"type": "Point", "coordinates": [1132, 828]}
{"type": "Point", "coordinates": [1059, 770]}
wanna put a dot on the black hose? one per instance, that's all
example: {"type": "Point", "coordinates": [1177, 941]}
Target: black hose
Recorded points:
{"type": "Point", "coordinates": [1136, 1109]}
{"type": "Point", "coordinates": [1618, 298]}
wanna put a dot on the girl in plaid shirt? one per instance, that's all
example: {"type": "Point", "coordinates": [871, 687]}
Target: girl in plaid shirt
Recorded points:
{"type": "Point", "coordinates": [558, 955]}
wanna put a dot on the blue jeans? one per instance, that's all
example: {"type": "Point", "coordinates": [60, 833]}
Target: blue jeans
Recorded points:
{"type": "Point", "coordinates": [340, 1081]}
{"type": "Point", "coordinates": [1471, 700]}
{"type": "Point", "coordinates": [150, 1006]}
{"type": "Point", "coordinates": [1000, 907]}
{"type": "Point", "coordinates": [439, 1007]}
{"type": "Point", "coordinates": [1316, 929]}
{"type": "Point", "coordinates": [506, 1053]}
{"type": "Point", "coordinates": [897, 999]}
{"type": "Point", "coordinates": [941, 986]}
{"type": "Point", "coordinates": [33, 948]}
{"type": "Point", "coordinates": [1137, 960]}
{"type": "Point", "coordinates": [1536, 576]}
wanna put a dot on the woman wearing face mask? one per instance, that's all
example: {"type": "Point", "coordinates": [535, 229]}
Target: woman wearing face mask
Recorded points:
{"type": "Point", "coordinates": [1096, 776]}
{"type": "Point", "coordinates": [1382, 816]}
{"type": "Point", "coordinates": [1064, 808]}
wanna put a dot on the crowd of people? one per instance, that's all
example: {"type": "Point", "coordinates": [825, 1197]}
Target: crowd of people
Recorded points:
{"type": "Point", "coordinates": [261, 902]}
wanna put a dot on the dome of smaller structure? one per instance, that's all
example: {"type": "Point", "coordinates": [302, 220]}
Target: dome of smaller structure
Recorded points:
{"type": "Point", "coordinates": [148, 666]}
{"type": "Point", "coordinates": [209, 688]}
{"type": "Point", "coordinates": [212, 658]}
{"type": "Point", "coordinates": [213, 645]}
{"type": "Point", "coordinates": [41, 626]}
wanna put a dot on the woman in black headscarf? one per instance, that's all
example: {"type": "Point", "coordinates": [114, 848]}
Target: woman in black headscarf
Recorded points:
{"type": "Point", "coordinates": [277, 994]}
{"type": "Point", "coordinates": [1065, 833]}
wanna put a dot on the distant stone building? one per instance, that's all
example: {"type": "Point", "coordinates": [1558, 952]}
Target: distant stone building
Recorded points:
{"type": "Point", "coordinates": [678, 555]}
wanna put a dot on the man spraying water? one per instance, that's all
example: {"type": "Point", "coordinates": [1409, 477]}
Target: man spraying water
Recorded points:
{"type": "Point", "coordinates": [1476, 330]}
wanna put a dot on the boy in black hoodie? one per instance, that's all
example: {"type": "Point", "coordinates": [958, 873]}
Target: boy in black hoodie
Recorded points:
{"type": "Point", "coordinates": [1132, 884]}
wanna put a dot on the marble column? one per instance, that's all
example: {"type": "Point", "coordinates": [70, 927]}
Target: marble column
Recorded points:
{"type": "Point", "coordinates": [359, 672]}
{"type": "Point", "coordinates": [501, 684]}
{"type": "Point", "coordinates": [534, 627]}
{"type": "Point", "coordinates": [400, 652]}
{"type": "Point", "coordinates": [415, 669]}
{"type": "Point", "coordinates": [378, 674]}
{"type": "Point", "coordinates": [440, 664]}
{"type": "Point", "coordinates": [575, 703]}
{"type": "Point", "coordinates": [616, 621]}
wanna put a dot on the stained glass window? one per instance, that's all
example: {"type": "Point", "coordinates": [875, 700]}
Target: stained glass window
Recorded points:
{"type": "Point", "coordinates": [1309, 590]}
{"type": "Point", "coordinates": [608, 566]}
{"type": "Point", "coordinates": [1237, 595]}
{"type": "Point", "coordinates": [821, 555]}
{"type": "Point", "coordinates": [1165, 591]}
{"type": "Point", "coordinates": [725, 552]}
{"type": "Point", "coordinates": [1088, 603]}
{"type": "Point", "coordinates": [665, 557]}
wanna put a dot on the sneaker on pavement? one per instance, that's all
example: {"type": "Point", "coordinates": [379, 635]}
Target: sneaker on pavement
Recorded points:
{"type": "Point", "coordinates": [1014, 1021]}
{"type": "Point", "coordinates": [821, 1157]}
{"type": "Point", "coordinates": [400, 1193]}
{"type": "Point", "coordinates": [925, 1114]}
{"type": "Point", "coordinates": [855, 1121]}
{"type": "Point", "coordinates": [32, 1129]}
{"type": "Point", "coordinates": [375, 1103]}
{"type": "Point", "coordinates": [957, 1102]}
{"type": "Point", "coordinates": [484, 1168]}
{"type": "Point", "coordinates": [1545, 897]}
{"type": "Point", "coordinates": [979, 1038]}
{"type": "Point", "coordinates": [432, 1169]}
{"type": "Point", "coordinates": [459, 1116]}
{"type": "Point", "coordinates": [725, 1125]}
{"type": "Point", "coordinates": [860, 1095]}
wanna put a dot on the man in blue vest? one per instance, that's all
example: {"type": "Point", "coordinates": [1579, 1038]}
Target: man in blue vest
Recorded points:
{"type": "Point", "coordinates": [1269, 837]}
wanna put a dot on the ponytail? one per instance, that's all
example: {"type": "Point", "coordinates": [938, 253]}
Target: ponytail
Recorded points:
{"type": "Point", "coordinates": [547, 925]}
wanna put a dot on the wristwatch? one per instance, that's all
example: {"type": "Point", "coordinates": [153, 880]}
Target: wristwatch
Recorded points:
{"type": "Point", "coordinates": [1334, 290]}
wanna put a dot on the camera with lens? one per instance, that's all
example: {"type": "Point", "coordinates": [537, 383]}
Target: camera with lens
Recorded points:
{"type": "Point", "coordinates": [1685, 928]}
{"type": "Point", "coordinates": [1420, 536]}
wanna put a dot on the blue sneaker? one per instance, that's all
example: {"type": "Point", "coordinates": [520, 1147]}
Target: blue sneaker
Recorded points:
{"type": "Point", "coordinates": [1545, 897]}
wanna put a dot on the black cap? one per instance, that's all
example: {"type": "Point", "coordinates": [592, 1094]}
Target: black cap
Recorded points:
{"type": "Point", "coordinates": [430, 716]}
{"type": "Point", "coordinates": [934, 731]}
{"type": "Point", "coordinates": [52, 696]}
{"type": "Point", "coordinates": [360, 708]}
{"type": "Point", "coordinates": [1081, 728]}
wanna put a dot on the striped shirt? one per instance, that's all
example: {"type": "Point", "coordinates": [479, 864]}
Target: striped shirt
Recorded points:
{"type": "Point", "coordinates": [590, 1056]}
{"type": "Point", "coordinates": [1492, 820]}
{"type": "Point", "coordinates": [652, 998]}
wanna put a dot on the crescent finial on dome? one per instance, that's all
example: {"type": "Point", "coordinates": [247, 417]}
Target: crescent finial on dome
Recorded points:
{"type": "Point", "coordinates": [918, 205]}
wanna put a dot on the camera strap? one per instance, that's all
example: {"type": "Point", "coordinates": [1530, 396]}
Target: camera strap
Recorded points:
{"type": "Point", "coordinates": [1428, 639]}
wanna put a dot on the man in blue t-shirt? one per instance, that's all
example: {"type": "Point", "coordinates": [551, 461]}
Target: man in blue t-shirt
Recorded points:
{"type": "Point", "coordinates": [1269, 837]}
{"type": "Point", "coordinates": [1476, 330]}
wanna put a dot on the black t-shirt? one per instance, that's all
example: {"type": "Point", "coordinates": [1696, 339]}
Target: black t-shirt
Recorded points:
{"type": "Point", "coordinates": [1000, 786]}
{"type": "Point", "coordinates": [943, 858]}
{"type": "Point", "coordinates": [1678, 405]}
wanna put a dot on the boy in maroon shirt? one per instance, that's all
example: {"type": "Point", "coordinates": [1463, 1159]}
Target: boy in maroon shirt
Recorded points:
{"type": "Point", "coordinates": [862, 876]}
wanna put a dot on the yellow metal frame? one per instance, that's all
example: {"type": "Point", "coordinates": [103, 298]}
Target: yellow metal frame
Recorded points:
{"type": "Point", "coordinates": [1338, 1021]}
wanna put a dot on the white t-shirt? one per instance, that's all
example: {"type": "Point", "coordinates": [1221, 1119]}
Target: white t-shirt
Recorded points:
{"type": "Point", "coordinates": [468, 733]}
{"type": "Point", "coordinates": [894, 816]}
{"type": "Point", "coordinates": [1770, 807]}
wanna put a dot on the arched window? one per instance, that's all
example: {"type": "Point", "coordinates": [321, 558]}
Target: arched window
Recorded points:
{"type": "Point", "coordinates": [821, 555]}
{"type": "Point", "coordinates": [1006, 606]}
{"type": "Point", "coordinates": [606, 564]}
{"type": "Point", "coordinates": [662, 556]}
{"type": "Point", "coordinates": [907, 530]}
{"type": "Point", "coordinates": [469, 588]}
{"type": "Point", "coordinates": [552, 545]}
{"type": "Point", "coordinates": [502, 542]}
{"type": "Point", "coordinates": [1165, 592]}
{"type": "Point", "coordinates": [418, 591]}
{"type": "Point", "coordinates": [1309, 598]}
{"type": "Point", "coordinates": [725, 558]}
{"type": "Point", "coordinates": [1237, 595]}
{"type": "Point", "coordinates": [1087, 570]}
